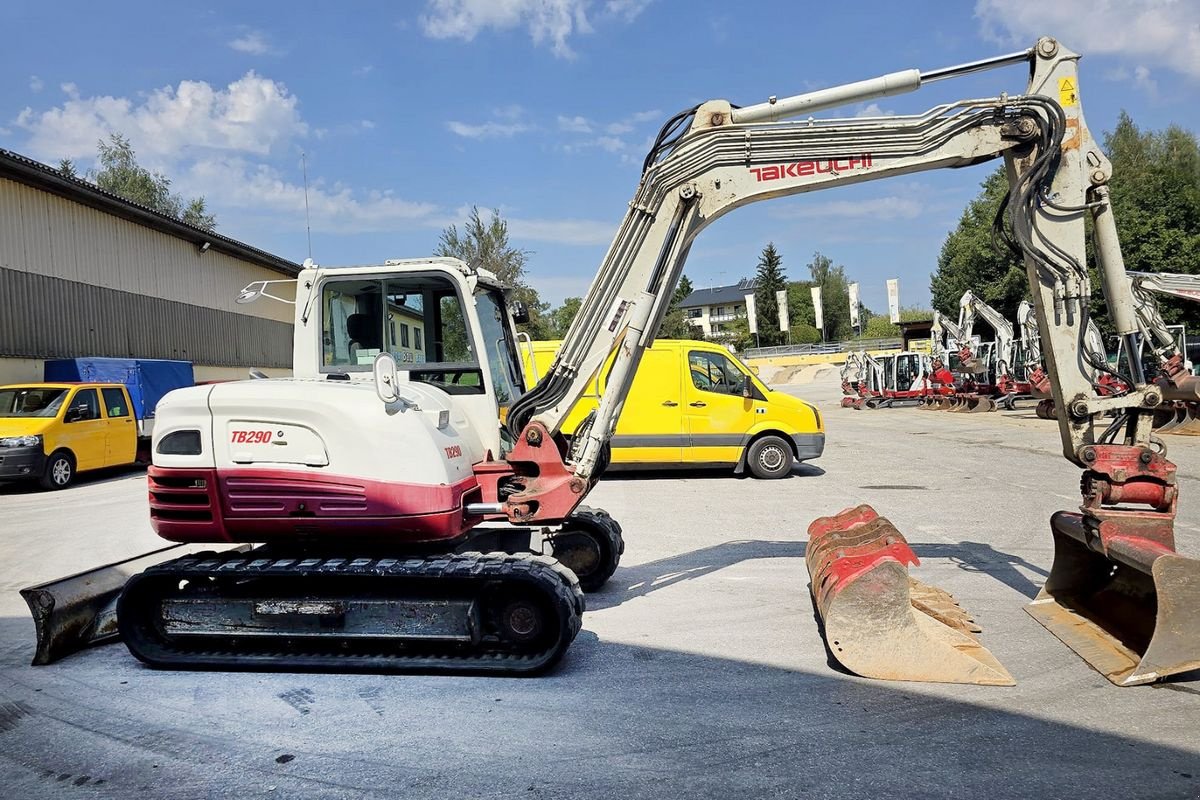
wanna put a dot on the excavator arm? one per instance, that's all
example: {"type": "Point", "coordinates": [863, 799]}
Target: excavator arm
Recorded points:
{"type": "Point", "coordinates": [971, 308]}
{"type": "Point", "coordinates": [716, 157]}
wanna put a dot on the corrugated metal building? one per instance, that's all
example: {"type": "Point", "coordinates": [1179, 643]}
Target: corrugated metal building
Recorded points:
{"type": "Point", "coordinates": [86, 273]}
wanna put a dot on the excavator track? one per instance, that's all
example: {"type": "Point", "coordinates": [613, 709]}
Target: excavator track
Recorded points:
{"type": "Point", "coordinates": [496, 613]}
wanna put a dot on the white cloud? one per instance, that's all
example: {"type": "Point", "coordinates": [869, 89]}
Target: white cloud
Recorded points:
{"type": "Point", "coordinates": [891, 207]}
{"type": "Point", "coordinates": [547, 21]}
{"type": "Point", "coordinates": [873, 110]}
{"type": "Point", "coordinates": [1151, 32]}
{"type": "Point", "coordinates": [236, 184]}
{"type": "Point", "coordinates": [627, 10]}
{"type": "Point", "coordinates": [252, 115]}
{"type": "Point", "coordinates": [511, 111]}
{"type": "Point", "coordinates": [36, 84]}
{"type": "Point", "coordinates": [486, 130]}
{"type": "Point", "coordinates": [563, 231]}
{"type": "Point", "coordinates": [363, 71]}
{"type": "Point", "coordinates": [252, 42]}
{"type": "Point", "coordinates": [574, 124]}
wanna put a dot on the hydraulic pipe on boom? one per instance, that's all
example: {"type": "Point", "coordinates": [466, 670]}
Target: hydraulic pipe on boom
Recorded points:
{"type": "Point", "coordinates": [714, 158]}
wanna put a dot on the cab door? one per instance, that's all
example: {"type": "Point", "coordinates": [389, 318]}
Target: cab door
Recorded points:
{"type": "Point", "coordinates": [718, 416]}
{"type": "Point", "coordinates": [120, 441]}
{"type": "Point", "coordinates": [650, 429]}
{"type": "Point", "coordinates": [85, 430]}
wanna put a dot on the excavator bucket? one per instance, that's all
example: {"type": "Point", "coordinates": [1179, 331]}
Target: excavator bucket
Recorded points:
{"type": "Point", "coordinates": [981, 405]}
{"type": "Point", "coordinates": [1190, 424]}
{"type": "Point", "coordinates": [1127, 605]}
{"type": "Point", "coordinates": [78, 611]}
{"type": "Point", "coordinates": [880, 623]}
{"type": "Point", "coordinates": [1169, 416]}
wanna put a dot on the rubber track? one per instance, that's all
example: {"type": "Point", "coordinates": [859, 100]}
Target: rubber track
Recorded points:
{"type": "Point", "coordinates": [600, 520]}
{"type": "Point", "coordinates": [557, 585]}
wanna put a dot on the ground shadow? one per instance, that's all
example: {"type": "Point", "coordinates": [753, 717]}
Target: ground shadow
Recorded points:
{"type": "Point", "coordinates": [89, 478]}
{"type": "Point", "coordinates": [619, 473]}
{"type": "Point", "coordinates": [640, 580]}
{"type": "Point", "coordinates": [614, 720]}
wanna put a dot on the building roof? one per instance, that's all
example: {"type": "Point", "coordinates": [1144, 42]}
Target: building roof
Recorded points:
{"type": "Point", "coordinates": [720, 294]}
{"type": "Point", "coordinates": [17, 167]}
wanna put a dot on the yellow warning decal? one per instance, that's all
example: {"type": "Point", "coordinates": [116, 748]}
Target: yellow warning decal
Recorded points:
{"type": "Point", "coordinates": [1068, 94]}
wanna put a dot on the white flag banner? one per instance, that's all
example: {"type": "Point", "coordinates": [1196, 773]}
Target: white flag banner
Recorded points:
{"type": "Point", "coordinates": [751, 313]}
{"type": "Point", "coordinates": [893, 286]}
{"type": "Point", "coordinates": [854, 305]}
{"type": "Point", "coordinates": [781, 299]}
{"type": "Point", "coordinates": [820, 318]}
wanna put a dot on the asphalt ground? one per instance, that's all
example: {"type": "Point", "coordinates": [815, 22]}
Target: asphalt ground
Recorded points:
{"type": "Point", "coordinates": [700, 671]}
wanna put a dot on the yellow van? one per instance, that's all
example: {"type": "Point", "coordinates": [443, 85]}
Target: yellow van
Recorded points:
{"type": "Point", "coordinates": [50, 431]}
{"type": "Point", "coordinates": [693, 404]}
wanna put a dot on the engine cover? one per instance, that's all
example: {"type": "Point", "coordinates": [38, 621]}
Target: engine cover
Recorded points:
{"type": "Point", "coordinates": [281, 459]}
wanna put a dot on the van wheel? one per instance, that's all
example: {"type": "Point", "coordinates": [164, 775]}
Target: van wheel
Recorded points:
{"type": "Point", "coordinates": [59, 472]}
{"type": "Point", "coordinates": [769, 457]}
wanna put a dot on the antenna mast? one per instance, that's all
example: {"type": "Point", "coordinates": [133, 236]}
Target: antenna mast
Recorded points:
{"type": "Point", "coordinates": [307, 220]}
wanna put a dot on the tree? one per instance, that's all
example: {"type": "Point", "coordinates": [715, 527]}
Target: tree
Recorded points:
{"type": "Point", "coordinates": [485, 245]}
{"type": "Point", "coordinates": [1155, 190]}
{"type": "Point", "coordinates": [121, 175]}
{"type": "Point", "coordinates": [67, 167]}
{"type": "Point", "coordinates": [835, 297]}
{"type": "Point", "coordinates": [560, 319]}
{"type": "Point", "coordinates": [970, 260]}
{"type": "Point", "coordinates": [770, 279]}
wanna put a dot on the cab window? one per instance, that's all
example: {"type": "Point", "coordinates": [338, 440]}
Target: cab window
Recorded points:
{"type": "Point", "coordinates": [84, 406]}
{"type": "Point", "coordinates": [114, 403]}
{"type": "Point", "coordinates": [418, 319]}
{"type": "Point", "coordinates": [714, 372]}
{"type": "Point", "coordinates": [503, 361]}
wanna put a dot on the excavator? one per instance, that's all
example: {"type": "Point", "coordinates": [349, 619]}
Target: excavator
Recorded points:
{"type": "Point", "coordinates": [414, 506]}
{"type": "Point", "coordinates": [1002, 366]}
{"type": "Point", "coordinates": [965, 360]}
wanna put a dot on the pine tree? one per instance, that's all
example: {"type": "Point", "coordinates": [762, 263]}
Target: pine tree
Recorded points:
{"type": "Point", "coordinates": [770, 279]}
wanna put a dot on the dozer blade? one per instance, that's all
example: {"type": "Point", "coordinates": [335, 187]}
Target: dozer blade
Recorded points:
{"type": "Point", "coordinates": [1133, 614]}
{"type": "Point", "coordinates": [78, 611]}
{"type": "Point", "coordinates": [880, 623]}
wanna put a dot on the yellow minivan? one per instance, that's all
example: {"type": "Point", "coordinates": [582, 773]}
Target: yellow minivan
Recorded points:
{"type": "Point", "coordinates": [693, 404]}
{"type": "Point", "coordinates": [50, 431]}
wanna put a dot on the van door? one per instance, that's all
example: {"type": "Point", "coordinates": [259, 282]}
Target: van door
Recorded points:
{"type": "Point", "coordinates": [650, 429]}
{"type": "Point", "coordinates": [120, 441]}
{"type": "Point", "coordinates": [717, 414]}
{"type": "Point", "coordinates": [85, 430]}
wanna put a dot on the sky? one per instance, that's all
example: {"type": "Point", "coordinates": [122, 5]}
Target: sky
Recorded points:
{"type": "Point", "coordinates": [406, 114]}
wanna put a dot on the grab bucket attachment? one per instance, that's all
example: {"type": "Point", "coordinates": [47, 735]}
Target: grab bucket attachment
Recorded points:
{"type": "Point", "coordinates": [78, 611]}
{"type": "Point", "coordinates": [1126, 604]}
{"type": "Point", "coordinates": [880, 623]}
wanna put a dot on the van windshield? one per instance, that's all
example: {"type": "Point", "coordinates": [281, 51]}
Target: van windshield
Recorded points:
{"type": "Point", "coordinates": [30, 401]}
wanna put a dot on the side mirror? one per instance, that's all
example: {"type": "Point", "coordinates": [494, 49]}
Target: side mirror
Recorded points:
{"type": "Point", "coordinates": [520, 313]}
{"type": "Point", "coordinates": [386, 378]}
{"type": "Point", "coordinates": [747, 389]}
{"type": "Point", "coordinates": [76, 414]}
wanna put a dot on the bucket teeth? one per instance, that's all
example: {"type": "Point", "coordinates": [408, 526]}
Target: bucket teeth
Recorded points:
{"type": "Point", "coordinates": [878, 621]}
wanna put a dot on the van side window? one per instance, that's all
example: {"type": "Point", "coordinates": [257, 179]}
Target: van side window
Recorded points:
{"type": "Point", "coordinates": [84, 406]}
{"type": "Point", "coordinates": [114, 403]}
{"type": "Point", "coordinates": [713, 372]}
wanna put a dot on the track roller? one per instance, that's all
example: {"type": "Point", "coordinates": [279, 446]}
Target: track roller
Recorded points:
{"type": "Point", "coordinates": [590, 545]}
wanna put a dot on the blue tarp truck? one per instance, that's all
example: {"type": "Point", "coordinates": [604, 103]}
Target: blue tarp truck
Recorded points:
{"type": "Point", "coordinates": [88, 413]}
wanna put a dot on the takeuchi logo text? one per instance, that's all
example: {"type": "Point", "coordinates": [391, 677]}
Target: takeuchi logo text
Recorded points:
{"type": "Point", "coordinates": [798, 169]}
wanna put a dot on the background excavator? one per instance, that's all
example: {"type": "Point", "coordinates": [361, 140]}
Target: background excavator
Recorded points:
{"type": "Point", "coordinates": [404, 494]}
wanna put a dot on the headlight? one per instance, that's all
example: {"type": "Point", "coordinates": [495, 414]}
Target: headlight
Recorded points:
{"type": "Point", "coordinates": [20, 441]}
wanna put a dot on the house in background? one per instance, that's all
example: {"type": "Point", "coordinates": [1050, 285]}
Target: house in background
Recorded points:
{"type": "Point", "coordinates": [714, 308]}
